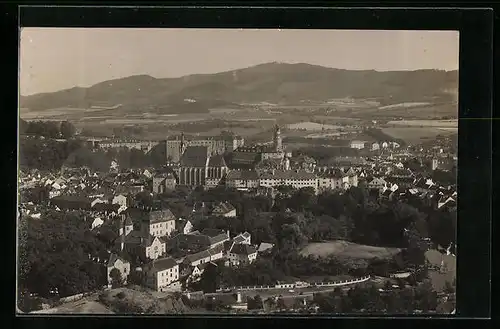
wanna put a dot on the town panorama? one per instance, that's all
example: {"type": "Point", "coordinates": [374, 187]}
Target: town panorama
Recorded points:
{"type": "Point", "coordinates": [280, 188]}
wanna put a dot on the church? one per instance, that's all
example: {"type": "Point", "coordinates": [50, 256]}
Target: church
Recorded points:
{"type": "Point", "coordinates": [248, 157]}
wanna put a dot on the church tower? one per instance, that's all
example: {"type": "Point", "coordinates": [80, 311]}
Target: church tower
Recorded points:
{"type": "Point", "coordinates": [278, 145]}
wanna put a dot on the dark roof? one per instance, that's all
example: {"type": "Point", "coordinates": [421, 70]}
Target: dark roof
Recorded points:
{"type": "Point", "coordinates": [159, 216]}
{"type": "Point", "coordinates": [195, 156]}
{"type": "Point", "coordinates": [106, 207]}
{"type": "Point", "coordinates": [217, 161]}
{"type": "Point", "coordinates": [219, 238]}
{"type": "Point", "coordinates": [199, 255]}
{"type": "Point", "coordinates": [212, 232]}
{"type": "Point", "coordinates": [223, 208]}
{"type": "Point", "coordinates": [163, 264]}
{"type": "Point", "coordinates": [243, 249]}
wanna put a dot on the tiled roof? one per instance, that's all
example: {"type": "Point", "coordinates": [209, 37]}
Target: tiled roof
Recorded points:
{"type": "Point", "coordinates": [217, 161]}
{"type": "Point", "coordinates": [223, 208]}
{"type": "Point", "coordinates": [113, 258]}
{"type": "Point", "coordinates": [218, 238]}
{"type": "Point", "coordinates": [199, 255]}
{"type": "Point", "coordinates": [212, 232]}
{"type": "Point", "coordinates": [159, 216]}
{"type": "Point", "coordinates": [242, 175]}
{"type": "Point", "coordinates": [163, 264]}
{"type": "Point", "coordinates": [195, 156]}
{"type": "Point", "coordinates": [289, 174]}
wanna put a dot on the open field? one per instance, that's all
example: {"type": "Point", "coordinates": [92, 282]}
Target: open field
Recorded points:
{"type": "Point", "coordinates": [417, 134]}
{"type": "Point", "coordinates": [426, 123]}
{"type": "Point", "coordinates": [347, 249]}
{"type": "Point", "coordinates": [312, 126]}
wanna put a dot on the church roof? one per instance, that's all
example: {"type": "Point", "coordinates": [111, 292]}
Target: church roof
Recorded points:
{"type": "Point", "coordinates": [195, 156]}
{"type": "Point", "coordinates": [217, 161]}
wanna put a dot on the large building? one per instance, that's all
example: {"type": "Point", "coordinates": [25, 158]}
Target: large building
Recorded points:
{"type": "Point", "coordinates": [199, 168]}
{"type": "Point", "coordinates": [226, 142]}
{"type": "Point", "coordinates": [297, 179]}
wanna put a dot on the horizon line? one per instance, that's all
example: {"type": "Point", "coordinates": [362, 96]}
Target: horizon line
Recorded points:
{"type": "Point", "coordinates": [227, 71]}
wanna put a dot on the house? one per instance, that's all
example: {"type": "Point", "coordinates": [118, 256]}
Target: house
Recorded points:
{"type": "Point", "coordinates": [162, 273]}
{"type": "Point", "coordinates": [164, 182]}
{"type": "Point", "coordinates": [149, 247]}
{"type": "Point", "coordinates": [243, 238]}
{"type": "Point", "coordinates": [224, 209]}
{"type": "Point", "coordinates": [241, 254]}
{"type": "Point", "coordinates": [242, 179]}
{"type": "Point", "coordinates": [216, 237]}
{"type": "Point", "coordinates": [158, 223]}
{"type": "Point", "coordinates": [377, 184]}
{"type": "Point", "coordinates": [120, 200]}
{"type": "Point", "coordinates": [205, 240]}
{"type": "Point", "coordinates": [375, 146]}
{"type": "Point", "coordinates": [265, 247]}
{"type": "Point", "coordinates": [205, 256]}
{"type": "Point", "coordinates": [97, 222]}
{"type": "Point", "coordinates": [184, 226]}
{"type": "Point", "coordinates": [296, 178]}
{"type": "Point", "coordinates": [120, 264]}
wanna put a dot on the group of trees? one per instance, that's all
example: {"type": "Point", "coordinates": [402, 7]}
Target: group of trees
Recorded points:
{"type": "Point", "coordinates": [56, 254]}
{"type": "Point", "coordinates": [46, 154]}
{"type": "Point", "coordinates": [370, 299]}
{"type": "Point", "coordinates": [50, 154]}
{"type": "Point", "coordinates": [354, 216]}
{"type": "Point", "coordinates": [47, 129]}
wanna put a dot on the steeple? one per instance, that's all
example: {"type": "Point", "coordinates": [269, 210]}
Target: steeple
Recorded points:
{"type": "Point", "coordinates": [278, 145]}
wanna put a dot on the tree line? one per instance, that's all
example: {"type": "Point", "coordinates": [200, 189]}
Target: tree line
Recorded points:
{"type": "Point", "coordinates": [47, 129]}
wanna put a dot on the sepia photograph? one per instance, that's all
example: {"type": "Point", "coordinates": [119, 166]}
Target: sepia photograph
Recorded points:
{"type": "Point", "coordinates": [237, 171]}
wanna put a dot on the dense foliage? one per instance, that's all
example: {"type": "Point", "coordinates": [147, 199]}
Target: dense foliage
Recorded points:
{"type": "Point", "coordinates": [48, 129]}
{"type": "Point", "coordinates": [353, 216]}
{"type": "Point", "coordinates": [57, 252]}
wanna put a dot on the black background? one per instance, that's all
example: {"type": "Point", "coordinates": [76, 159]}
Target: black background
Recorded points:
{"type": "Point", "coordinates": [476, 103]}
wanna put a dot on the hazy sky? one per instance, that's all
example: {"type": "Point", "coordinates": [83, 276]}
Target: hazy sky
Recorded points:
{"type": "Point", "coordinates": [59, 58]}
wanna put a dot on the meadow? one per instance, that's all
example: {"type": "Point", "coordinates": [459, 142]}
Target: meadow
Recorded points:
{"type": "Point", "coordinates": [347, 249]}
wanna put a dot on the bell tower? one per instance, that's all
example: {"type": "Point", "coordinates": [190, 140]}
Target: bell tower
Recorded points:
{"type": "Point", "coordinates": [278, 144]}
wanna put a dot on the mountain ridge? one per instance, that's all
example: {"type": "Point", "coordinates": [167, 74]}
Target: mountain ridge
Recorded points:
{"type": "Point", "coordinates": [279, 83]}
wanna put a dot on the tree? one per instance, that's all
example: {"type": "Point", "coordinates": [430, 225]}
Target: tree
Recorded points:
{"type": "Point", "coordinates": [67, 129]}
{"type": "Point", "coordinates": [116, 278]}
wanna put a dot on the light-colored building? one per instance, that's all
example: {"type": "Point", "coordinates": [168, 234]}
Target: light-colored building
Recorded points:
{"type": "Point", "coordinates": [375, 146]}
{"type": "Point", "coordinates": [162, 273]}
{"type": "Point", "coordinates": [297, 179]}
{"type": "Point", "coordinates": [159, 223]}
{"type": "Point", "coordinates": [357, 145]}
{"type": "Point", "coordinates": [241, 254]}
{"type": "Point", "coordinates": [120, 199]}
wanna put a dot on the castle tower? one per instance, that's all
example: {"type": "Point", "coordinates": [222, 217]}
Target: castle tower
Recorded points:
{"type": "Point", "coordinates": [434, 164]}
{"type": "Point", "coordinates": [278, 145]}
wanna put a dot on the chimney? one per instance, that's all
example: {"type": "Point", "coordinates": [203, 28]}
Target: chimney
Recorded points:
{"type": "Point", "coordinates": [238, 297]}
{"type": "Point", "coordinates": [228, 234]}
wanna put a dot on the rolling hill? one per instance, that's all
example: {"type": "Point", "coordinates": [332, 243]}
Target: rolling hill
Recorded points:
{"type": "Point", "coordinates": [277, 83]}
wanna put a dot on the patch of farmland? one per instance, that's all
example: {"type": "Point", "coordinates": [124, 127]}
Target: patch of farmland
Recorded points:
{"type": "Point", "coordinates": [415, 134]}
